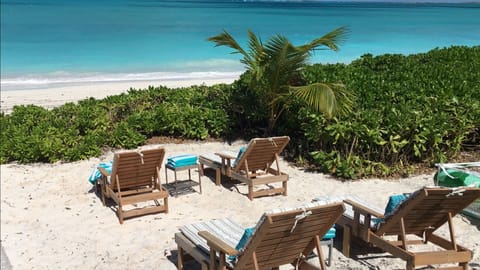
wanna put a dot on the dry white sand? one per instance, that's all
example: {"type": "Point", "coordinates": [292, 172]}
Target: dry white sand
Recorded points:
{"type": "Point", "coordinates": [52, 219]}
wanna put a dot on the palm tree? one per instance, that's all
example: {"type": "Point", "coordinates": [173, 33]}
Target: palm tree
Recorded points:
{"type": "Point", "coordinates": [277, 64]}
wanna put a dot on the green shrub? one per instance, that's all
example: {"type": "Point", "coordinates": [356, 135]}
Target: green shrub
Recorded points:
{"type": "Point", "coordinates": [410, 109]}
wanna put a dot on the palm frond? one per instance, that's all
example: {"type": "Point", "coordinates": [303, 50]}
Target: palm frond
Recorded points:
{"type": "Point", "coordinates": [330, 40]}
{"type": "Point", "coordinates": [329, 98]}
{"type": "Point", "coordinates": [284, 60]}
{"type": "Point", "coordinates": [225, 39]}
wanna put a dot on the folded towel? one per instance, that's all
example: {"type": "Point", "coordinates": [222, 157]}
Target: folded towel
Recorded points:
{"type": "Point", "coordinates": [180, 164]}
{"type": "Point", "coordinates": [183, 160]}
{"type": "Point", "coordinates": [96, 174]}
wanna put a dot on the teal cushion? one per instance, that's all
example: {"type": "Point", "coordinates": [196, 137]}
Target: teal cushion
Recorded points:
{"type": "Point", "coordinates": [245, 237]}
{"type": "Point", "coordinates": [247, 234]}
{"type": "Point", "coordinates": [393, 202]}
{"type": "Point", "coordinates": [330, 234]}
{"type": "Point", "coordinates": [240, 153]}
{"type": "Point", "coordinates": [182, 160]}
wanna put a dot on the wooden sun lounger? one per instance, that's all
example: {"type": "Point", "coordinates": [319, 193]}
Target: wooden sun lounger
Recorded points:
{"type": "Point", "coordinates": [414, 222]}
{"type": "Point", "coordinates": [258, 165]}
{"type": "Point", "coordinates": [135, 178]}
{"type": "Point", "coordinates": [280, 237]}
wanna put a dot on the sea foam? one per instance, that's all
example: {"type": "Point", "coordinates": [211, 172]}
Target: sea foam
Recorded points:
{"type": "Point", "coordinates": [66, 78]}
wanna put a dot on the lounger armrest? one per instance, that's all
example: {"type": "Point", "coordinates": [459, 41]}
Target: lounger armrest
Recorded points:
{"type": "Point", "coordinates": [363, 209]}
{"type": "Point", "coordinates": [103, 171]}
{"type": "Point", "coordinates": [217, 243]}
{"type": "Point", "coordinates": [225, 155]}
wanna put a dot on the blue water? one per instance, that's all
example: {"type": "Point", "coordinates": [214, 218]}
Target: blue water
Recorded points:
{"type": "Point", "coordinates": [61, 41]}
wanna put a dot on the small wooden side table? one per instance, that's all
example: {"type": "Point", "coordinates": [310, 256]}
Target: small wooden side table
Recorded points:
{"type": "Point", "coordinates": [183, 168]}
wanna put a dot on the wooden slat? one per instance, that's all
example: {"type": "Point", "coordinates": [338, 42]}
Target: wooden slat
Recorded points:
{"type": "Point", "coordinates": [144, 211]}
{"type": "Point", "coordinates": [144, 197]}
{"type": "Point", "coordinates": [442, 257]}
{"type": "Point", "coordinates": [274, 242]}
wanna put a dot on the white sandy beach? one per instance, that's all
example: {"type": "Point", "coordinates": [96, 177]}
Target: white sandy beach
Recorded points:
{"type": "Point", "coordinates": [53, 96]}
{"type": "Point", "coordinates": [52, 219]}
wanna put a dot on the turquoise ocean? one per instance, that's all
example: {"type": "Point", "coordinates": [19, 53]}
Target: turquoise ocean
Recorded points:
{"type": "Point", "coordinates": [47, 42]}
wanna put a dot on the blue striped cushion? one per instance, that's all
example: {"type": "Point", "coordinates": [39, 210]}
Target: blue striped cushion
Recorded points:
{"type": "Point", "coordinates": [348, 208]}
{"type": "Point", "coordinates": [226, 229]}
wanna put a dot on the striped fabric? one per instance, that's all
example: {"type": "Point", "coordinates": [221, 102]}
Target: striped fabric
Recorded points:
{"type": "Point", "coordinates": [348, 208]}
{"type": "Point", "coordinates": [217, 159]}
{"type": "Point", "coordinates": [226, 229]}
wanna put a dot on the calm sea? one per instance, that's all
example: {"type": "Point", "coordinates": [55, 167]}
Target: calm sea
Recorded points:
{"type": "Point", "coordinates": [66, 41]}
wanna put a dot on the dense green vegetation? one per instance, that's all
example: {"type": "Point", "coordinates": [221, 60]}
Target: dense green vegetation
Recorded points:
{"type": "Point", "coordinates": [408, 110]}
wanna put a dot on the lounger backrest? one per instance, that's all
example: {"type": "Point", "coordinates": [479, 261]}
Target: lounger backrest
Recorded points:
{"type": "Point", "coordinates": [274, 242]}
{"type": "Point", "coordinates": [137, 168]}
{"type": "Point", "coordinates": [427, 209]}
{"type": "Point", "coordinates": [260, 153]}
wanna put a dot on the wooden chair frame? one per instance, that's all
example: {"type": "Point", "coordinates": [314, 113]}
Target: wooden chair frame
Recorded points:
{"type": "Point", "coordinates": [414, 223]}
{"type": "Point", "coordinates": [258, 165]}
{"type": "Point", "coordinates": [135, 178]}
{"type": "Point", "coordinates": [280, 238]}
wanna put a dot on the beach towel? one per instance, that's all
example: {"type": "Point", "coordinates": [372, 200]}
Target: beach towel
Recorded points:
{"type": "Point", "coordinates": [180, 161]}
{"type": "Point", "coordinates": [96, 174]}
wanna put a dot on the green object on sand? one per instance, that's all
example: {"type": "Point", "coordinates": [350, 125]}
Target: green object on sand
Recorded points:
{"type": "Point", "coordinates": [458, 175]}
{"type": "Point", "coordinates": [457, 178]}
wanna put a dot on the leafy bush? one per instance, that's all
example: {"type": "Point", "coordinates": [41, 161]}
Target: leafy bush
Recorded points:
{"type": "Point", "coordinates": [409, 109]}
{"type": "Point", "coordinates": [78, 131]}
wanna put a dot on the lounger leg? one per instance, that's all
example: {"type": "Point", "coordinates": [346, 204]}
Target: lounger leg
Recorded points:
{"type": "Point", "coordinates": [320, 253]}
{"type": "Point", "coordinates": [199, 180]}
{"type": "Point", "coordinates": [165, 201]}
{"type": "Point", "coordinates": [166, 175]}
{"type": "Point", "coordinates": [218, 177]}
{"type": "Point", "coordinates": [330, 247]}
{"type": "Point", "coordinates": [410, 266]}
{"type": "Point", "coordinates": [120, 213]}
{"type": "Point", "coordinates": [250, 192]}
{"type": "Point", "coordinates": [176, 184]}
{"type": "Point", "coordinates": [347, 235]}
{"type": "Point", "coordinates": [180, 258]}
{"type": "Point", "coordinates": [103, 196]}
{"type": "Point", "coordinates": [102, 190]}
{"type": "Point", "coordinates": [284, 184]}
{"type": "Point", "coordinates": [212, 259]}
{"type": "Point", "coordinates": [222, 264]}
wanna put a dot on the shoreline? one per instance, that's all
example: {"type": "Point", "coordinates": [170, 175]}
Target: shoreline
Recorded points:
{"type": "Point", "coordinates": [57, 95]}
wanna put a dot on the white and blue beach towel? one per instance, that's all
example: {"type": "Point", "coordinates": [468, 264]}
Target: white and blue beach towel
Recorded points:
{"type": "Point", "coordinates": [96, 174]}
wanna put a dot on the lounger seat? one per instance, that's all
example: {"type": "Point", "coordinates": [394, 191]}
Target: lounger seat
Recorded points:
{"type": "Point", "coordinates": [349, 212]}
